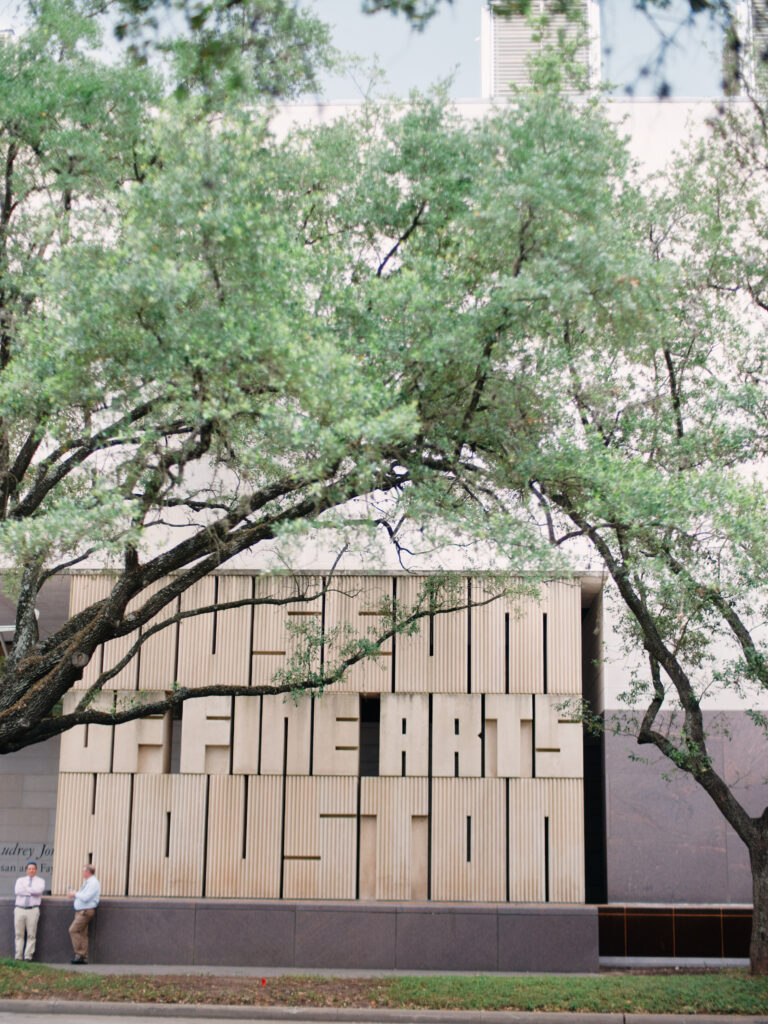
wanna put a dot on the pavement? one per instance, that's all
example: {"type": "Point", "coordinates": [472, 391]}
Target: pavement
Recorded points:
{"type": "Point", "coordinates": [272, 972]}
{"type": "Point", "coordinates": [618, 963]}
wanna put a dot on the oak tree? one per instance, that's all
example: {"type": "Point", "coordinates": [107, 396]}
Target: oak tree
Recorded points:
{"type": "Point", "coordinates": [213, 339]}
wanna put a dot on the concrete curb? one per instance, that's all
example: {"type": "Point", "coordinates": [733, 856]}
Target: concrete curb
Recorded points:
{"type": "Point", "coordinates": [333, 1015]}
{"type": "Point", "coordinates": [325, 1014]}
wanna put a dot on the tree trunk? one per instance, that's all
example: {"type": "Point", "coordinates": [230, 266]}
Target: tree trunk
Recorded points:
{"type": "Point", "coordinates": [758, 946]}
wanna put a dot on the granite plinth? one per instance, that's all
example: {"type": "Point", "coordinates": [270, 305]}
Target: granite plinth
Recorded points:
{"type": "Point", "coordinates": [386, 936]}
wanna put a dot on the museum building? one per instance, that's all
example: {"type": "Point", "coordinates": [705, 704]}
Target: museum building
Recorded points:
{"type": "Point", "coordinates": [439, 808]}
{"type": "Point", "coordinates": [447, 769]}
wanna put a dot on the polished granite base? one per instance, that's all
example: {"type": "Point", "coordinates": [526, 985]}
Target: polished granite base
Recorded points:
{"type": "Point", "coordinates": [387, 936]}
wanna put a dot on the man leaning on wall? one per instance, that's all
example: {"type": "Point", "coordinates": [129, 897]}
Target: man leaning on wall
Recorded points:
{"type": "Point", "coordinates": [26, 912]}
{"type": "Point", "coordinates": [86, 900]}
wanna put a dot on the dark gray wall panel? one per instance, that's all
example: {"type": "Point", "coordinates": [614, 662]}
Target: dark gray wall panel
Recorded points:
{"type": "Point", "coordinates": [144, 932]}
{"type": "Point", "coordinates": [452, 938]}
{"type": "Point", "coordinates": [533, 938]}
{"type": "Point", "coordinates": [28, 781]}
{"type": "Point", "coordinates": [333, 935]}
{"type": "Point", "coordinates": [666, 841]}
{"type": "Point", "coordinates": [244, 934]}
{"type": "Point", "coordinates": [350, 936]}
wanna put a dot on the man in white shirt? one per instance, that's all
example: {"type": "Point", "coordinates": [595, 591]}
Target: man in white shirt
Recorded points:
{"type": "Point", "coordinates": [26, 912]}
{"type": "Point", "coordinates": [86, 900]}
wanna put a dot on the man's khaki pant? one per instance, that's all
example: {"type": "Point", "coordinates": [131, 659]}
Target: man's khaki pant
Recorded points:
{"type": "Point", "coordinates": [25, 921]}
{"type": "Point", "coordinates": [78, 931]}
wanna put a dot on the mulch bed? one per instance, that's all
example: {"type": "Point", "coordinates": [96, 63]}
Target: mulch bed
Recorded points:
{"type": "Point", "coordinates": [201, 988]}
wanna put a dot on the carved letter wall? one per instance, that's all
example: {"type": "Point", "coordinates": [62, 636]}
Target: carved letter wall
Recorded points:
{"type": "Point", "coordinates": [472, 779]}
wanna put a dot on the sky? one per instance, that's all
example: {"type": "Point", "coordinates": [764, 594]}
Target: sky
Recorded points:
{"type": "Point", "coordinates": [450, 45]}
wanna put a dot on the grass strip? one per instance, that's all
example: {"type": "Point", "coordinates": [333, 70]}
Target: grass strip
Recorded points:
{"type": "Point", "coordinates": [724, 992]}
{"type": "Point", "coordinates": [731, 993]}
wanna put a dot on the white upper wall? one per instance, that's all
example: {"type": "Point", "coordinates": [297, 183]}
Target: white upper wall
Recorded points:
{"type": "Point", "coordinates": [655, 129]}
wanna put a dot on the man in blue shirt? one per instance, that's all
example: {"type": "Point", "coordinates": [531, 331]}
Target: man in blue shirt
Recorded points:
{"type": "Point", "coordinates": [86, 900]}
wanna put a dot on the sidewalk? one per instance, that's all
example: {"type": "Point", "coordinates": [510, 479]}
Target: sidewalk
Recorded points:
{"type": "Point", "coordinates": [614, 963]}
{"type": "Point", "coordinates": [226, 971]}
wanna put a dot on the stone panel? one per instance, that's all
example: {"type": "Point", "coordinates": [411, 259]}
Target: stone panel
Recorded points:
{"type": "Point", "coordinates": [558, 738]}
{"type": "Point", "coordinates": [144, 932]}
{"type": "Point", "coordinates": [353, 609]}
{"type": "Point", "coordinates": [451, 938]}
{"type": "Point", "coordinates": [244, 935]}
{"type": "Point", "coordinates": [280, 627]}
{"type": "Point", "coordinates": [246, 735]}
{"type": "Point", "coordinates": [358, 937]}
{"type": "Point", "coordinates": [468, 842]}
{"type": "Point", "coordinates": [53, 945]}
{"type": "Point", "coordinates": [337, 734]}
{"type": "Point", "coordinates": [393, 838]}
{"type": "Point", "coordinates": [546, 830]}
{"type": "Point", "coordinates": [404, 734]}
{"type": "Point", "coordinates": [143, 745]}
{"type": "Point", "coordinates": [244, 835]}
{"type": "Point", "coordinates": [456, 735]}
{"type": "Point", "coordinates": [320, 838]}
{"type": "Point", "coordinates": [93, 826]}
{"type": "Point", "coordinates": [508, 735]}
{"type": "Point", "coordinates": [285, 735]}
{"type": "Point", "coordinates": [535, 938]}
{"type": "Point", "coordinates": [433, 660]}
{"type": "Point", "coordinates": [213, 648]}
{"type": "Point", "coordinates": [87, 748]}
{"type": "Point", "coordinates": [167, 835]}
{"type": "Point", "coordinates": [28, 784]}
{"type": "Point", "coordinates": [657, 828]}
{"type": "Point", "coordinates": [206, 735]}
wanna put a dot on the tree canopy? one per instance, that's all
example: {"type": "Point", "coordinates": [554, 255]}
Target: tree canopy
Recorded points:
{"type": "Point", "coordinates": [212, 338]}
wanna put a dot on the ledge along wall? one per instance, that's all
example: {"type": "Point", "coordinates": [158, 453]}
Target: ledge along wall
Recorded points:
{"type": "Point", "coordinates": [386, 936]}
{"type": "Point", "coordinates": [446, 770]}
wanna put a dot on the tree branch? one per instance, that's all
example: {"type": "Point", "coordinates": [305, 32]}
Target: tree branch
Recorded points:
{"type": "Point", "coordinates": [403, 238]}
{"type": "Point", "coordinates": [92, 716]}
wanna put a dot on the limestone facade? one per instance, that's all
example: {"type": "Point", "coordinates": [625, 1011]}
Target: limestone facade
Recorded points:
{"type": "Point", "coordinates": [448, 767]}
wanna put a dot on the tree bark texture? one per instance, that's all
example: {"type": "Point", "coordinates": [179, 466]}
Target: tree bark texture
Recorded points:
{"type": "Point", "coordinates": [758, 946]}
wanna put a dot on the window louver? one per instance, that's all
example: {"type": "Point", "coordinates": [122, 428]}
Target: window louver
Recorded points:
{"type": "Point", "coordinates": [514, 42]}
